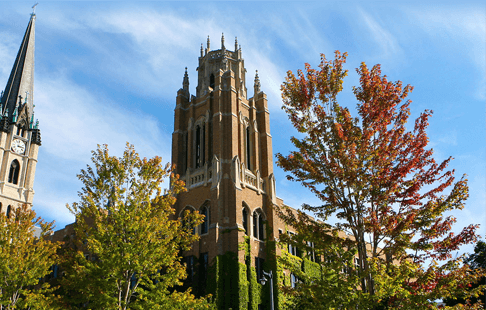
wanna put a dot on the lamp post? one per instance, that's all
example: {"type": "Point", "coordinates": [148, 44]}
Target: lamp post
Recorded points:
{"type": "Point", "coordinates": [263, 280]}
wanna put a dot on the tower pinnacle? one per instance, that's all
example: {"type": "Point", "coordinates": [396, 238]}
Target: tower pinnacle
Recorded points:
{"type": "Point", "coordinates": [185, 84]}
{"type": "Point", "coordinates": [257, 83]}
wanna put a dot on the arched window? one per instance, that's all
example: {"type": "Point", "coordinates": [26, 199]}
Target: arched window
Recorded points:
{"type": "Point", "coordinates": [205, 224]}
{"type": "Point", "coordinates": [211, 81]}
{"type": "Point", "coordinates": [9, 209]}
{"type": "Point", "coordinates": [245, 221]}
{"type": "Point", "coordinates": [13, 176]}
{"type": "Point", "coordinates": [186, 225]}
{"type": "Point", "coordinates": [258, 225]}
{"type": "Point", "coordinates": [248, 148]}
{"type": "Point", "coordinates": [0, 207]}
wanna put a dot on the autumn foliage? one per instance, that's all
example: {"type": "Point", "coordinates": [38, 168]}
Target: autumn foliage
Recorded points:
{"type": "Point", "coordinates": [375, 174]}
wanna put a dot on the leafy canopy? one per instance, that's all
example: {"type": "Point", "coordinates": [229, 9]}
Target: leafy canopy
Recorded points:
{"type": "Point", "coordinates": [127, 241]}
{"type": "Point", "coordinates": [24, 259]}
{"type": "Point", "coordinates": [381, 182]}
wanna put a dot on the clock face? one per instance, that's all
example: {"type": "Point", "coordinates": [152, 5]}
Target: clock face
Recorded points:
{"type": "Point", "coordinates": [18, 146]}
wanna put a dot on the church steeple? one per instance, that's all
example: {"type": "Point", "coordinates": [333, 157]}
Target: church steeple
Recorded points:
{"type": "Point", "coordinates": [19, 135]}
{"type": "Point", "coordinates": [20, 85]}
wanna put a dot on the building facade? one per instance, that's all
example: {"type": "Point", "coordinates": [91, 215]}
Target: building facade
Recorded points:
{"type": "Point", "coordinates": [19, 134]}
{"type": "Point", "coordinates": [222, 149]}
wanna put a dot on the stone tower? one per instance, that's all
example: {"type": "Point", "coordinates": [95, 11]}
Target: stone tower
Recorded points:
{"type": "Point", "coordinates": [222, 149]}
{"type": "Point", "coordinates": [19, 134]}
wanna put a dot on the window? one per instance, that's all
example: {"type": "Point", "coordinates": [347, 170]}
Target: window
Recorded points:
{"type": "Point", "coordinates": [259, 268]}
{"type": "Point", "coordinates": [293, 280]}
{"type": "Point", "coordinates": [189, 268]}
{"type": "Point", "coordinates": [203, 271]}
{"type": "Point", "coordinates": [248, 148]}
{"type": "Point", "coordinates": [55, 269]}
{"type": "Point", "coordinates": [198, 146]}
{"type": "Point", "coordinates": [185, 152]}
{"type": "Point", "coordinates": [311, 254]}
{"type": "Point", "coordinates": [20, 130]}
{"type": "Point", "coordinates": [258, 225]}
{"type": "Point", "coordinates": [200, 138]}
{"type": "Point", "coordinates": [13, 176]}
{"type": "Point", "coordinates": [245, 221]}
{"type": "Point", "coordinates": [185, 223]}
{"type": "Point", "coordinates": [211, 81]}
{"type": "Point", "coordinates": [0, 207]}
{"type": "Point", "coordinates": [205, 225]}
{"type": "Point", "coordinates": [294, 250]}
{"type": "Point", "coordinates": [9, 209]}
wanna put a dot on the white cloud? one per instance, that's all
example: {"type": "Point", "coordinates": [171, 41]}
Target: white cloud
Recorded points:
{"type": "Point", "coordinates": [388, 45]}
{"type": "Point", "coordinates": [72, 122]}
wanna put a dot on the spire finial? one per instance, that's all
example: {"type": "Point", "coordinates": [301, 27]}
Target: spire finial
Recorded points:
{"type": "Point", "coordinates": [236, 44]}
{"type": "Point", "coordinates": [208, 45]}
{"type": "Point", "coordinates": [202, 50]}
{"type": "Point", "coordinates": [222, 40]}
{"type": "Point", "coordinates": [33, 8]}
{"type": "Point", "coordinates": [257, 83]}
{"type": "Point", "coordinates": [185, 83]}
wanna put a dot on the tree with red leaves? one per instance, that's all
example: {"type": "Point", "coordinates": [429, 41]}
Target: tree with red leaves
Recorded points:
{"type": "Point", "coordinates": [381, 182]}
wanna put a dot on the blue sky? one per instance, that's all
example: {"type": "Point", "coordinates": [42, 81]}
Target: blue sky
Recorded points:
{"type": "Point", "coordinates": [108, 72]}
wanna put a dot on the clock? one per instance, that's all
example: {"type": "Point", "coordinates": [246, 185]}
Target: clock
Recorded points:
{"type": "Point", "coordinates": [18, 146]}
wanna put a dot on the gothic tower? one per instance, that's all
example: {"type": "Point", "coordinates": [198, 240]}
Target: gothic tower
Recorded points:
{"type": "Point", "coordinates": [222, 149]}
{"type": "Point", "coordinates": [19, 135]}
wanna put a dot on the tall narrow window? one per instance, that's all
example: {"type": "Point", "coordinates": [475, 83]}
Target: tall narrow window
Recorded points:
{"type": "Point", "coordinates": [0, 207]}
{"type": "Point", "coordinates": [259, 268]}
{"type": "Point", "coordinates": [248, 148]}
{"type": "Point", "coordinates": [245, 221]}
{"type": "Point", "coordinates": [186, 147]}
{"type": "Point", "coordinates": [190, 268]}
{"type": "Point", "coordinates": [203, 272]}
{"type": "Point", "coordinates": [9, 209]}
{"type": "Point", "coordinates": [255, 225]}
{"type": "Point", "coordinates": [258, 227]}
{"type": "Point", "coordinates": [203, 145]}
{"type": "Point", "coordinates": [198, 146]}
{"type": "Point", "coordinates": [205, 224]}
{"type": "Point", "coordinates": [13, 176]}
{"type": "Point", "coordinates": [211, 81]}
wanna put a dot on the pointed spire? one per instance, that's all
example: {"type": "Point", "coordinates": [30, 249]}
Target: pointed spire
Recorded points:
{"type": "Point", "coordinates": [236, 44]}
{"type": "Point", "coordinates": [208, 48]}
{"type": "Point", "coordinates": [21, 80]}
{"type": "Point", "coordinates": [257, 83]}
{"type": "Point", "coordinates": [222, 41]}
{"type": "Point", "coordinates": [202, 50]}
{"type": "Point", "coordinates": [185, 84]}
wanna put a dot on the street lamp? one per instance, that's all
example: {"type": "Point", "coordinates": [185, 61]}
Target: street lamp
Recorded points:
{"type": "Point", "coordinates": [263, 280]}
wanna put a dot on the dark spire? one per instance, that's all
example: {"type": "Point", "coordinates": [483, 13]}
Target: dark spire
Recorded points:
{"type": "Point", "coordinates": [185, 84]}
{"type": "Point", "coordinates": [21, 80]}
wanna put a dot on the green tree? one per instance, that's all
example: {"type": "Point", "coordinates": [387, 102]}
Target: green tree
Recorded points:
{"type": "Point", "coordinates": [127, 240]}
{"type": "Point", "coordinates": [477, 260]}
{"type": "Point", "coordinates": [382, 184]}
{"type": "Point", "coordinates": [24, 259]}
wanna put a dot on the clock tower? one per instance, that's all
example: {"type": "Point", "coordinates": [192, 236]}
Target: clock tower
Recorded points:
{"type": "Point", "coordinates": [19, 133]}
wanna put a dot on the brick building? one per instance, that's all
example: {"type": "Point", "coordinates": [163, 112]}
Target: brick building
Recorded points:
{"type": "Point", "coordinates": [222, 149]}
